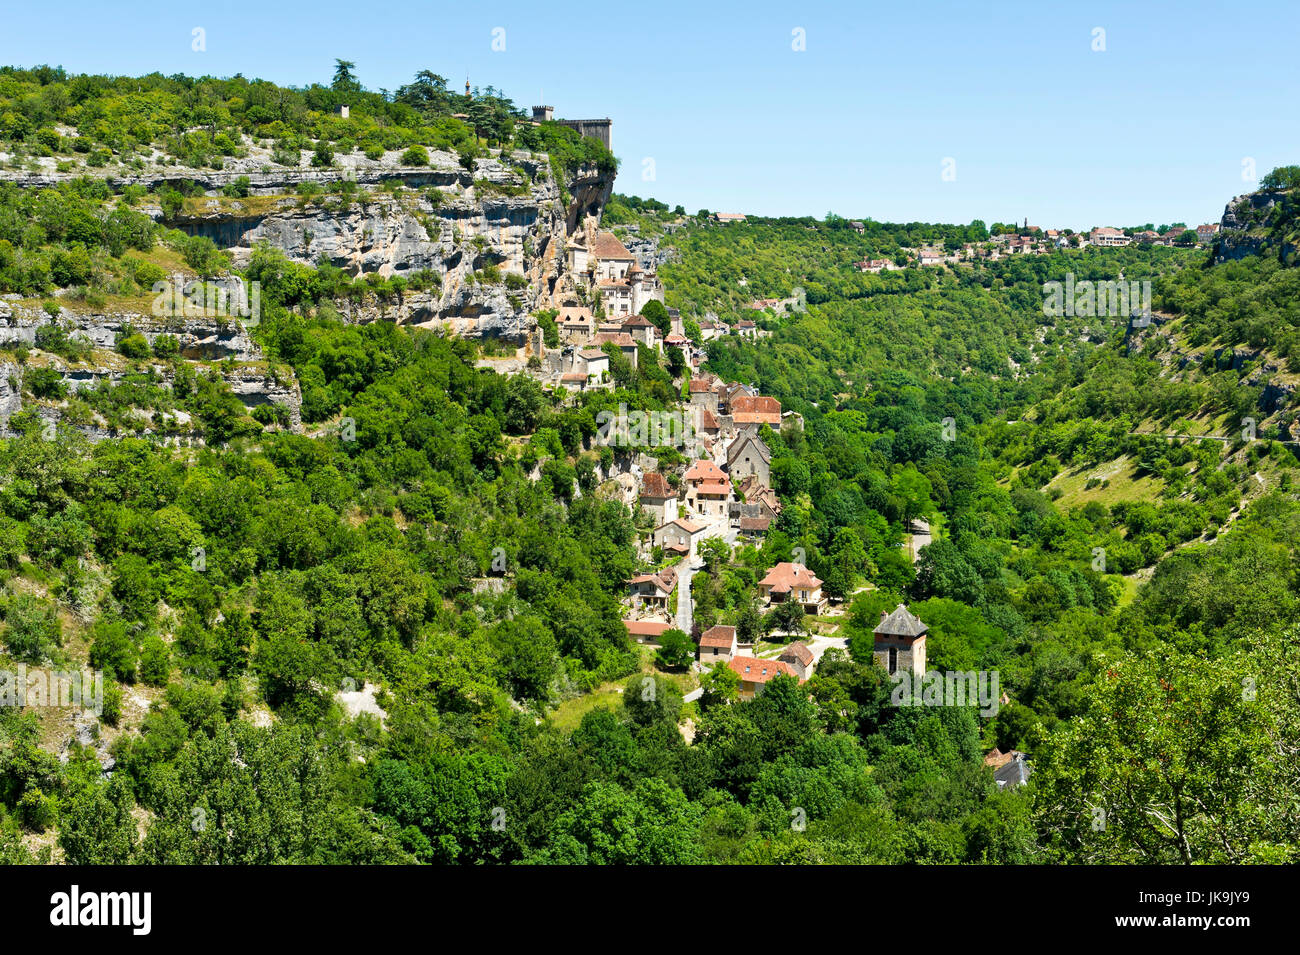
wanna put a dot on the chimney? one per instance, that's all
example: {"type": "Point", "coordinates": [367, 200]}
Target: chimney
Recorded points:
{"type": "Point", "coordinates": [883, 615]}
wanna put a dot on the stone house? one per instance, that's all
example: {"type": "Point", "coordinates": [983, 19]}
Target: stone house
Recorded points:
{"type": "Point", "coordinates": [678, 536]}
{"type": "Point", "coordinates": [900, 642]}
{"type": "Point", "coordinates": [612, 259]}
{"type": "Point", "coordinates": [616, 296]}
{"type": "Point", "coordinates": [702, 394]}
{"type": "Point", "coordinates": [651, 591]}
{"type": "Point", "coordinates": [624, 342]}
{"type": "Point", "coordinates": [642, 330]}
{"type": "Point", "coordinates": [708, 489]}
{"type": "Point", "coordinates": [717, 644]}
{"type": "Point", "coordinates": [790, 581]}
{"type": "Point", "coordinates": [800, 658]}
{"type": "Point", "coordinates": [658, 497]}
{"type": "Point", "coordinates": [755, 411]}
{"type": "Point", "coordinates": [748, 456]}
{"type": "Point", "coordinates": [576, 324]}
{"type": "Point", "coordinates": [756, 673]}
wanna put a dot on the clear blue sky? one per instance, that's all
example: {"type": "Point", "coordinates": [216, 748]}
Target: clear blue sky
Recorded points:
{"type": "Point", "coordinates": [1155, 128]}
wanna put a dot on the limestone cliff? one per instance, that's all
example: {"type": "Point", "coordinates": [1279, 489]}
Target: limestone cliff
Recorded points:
{"type": "Point", "coordinates": [1260, 223]}
{"type": "Point", "coordinates": [507, 216]}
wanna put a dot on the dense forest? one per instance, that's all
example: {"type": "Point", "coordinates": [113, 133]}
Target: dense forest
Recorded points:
{"type": "Point", "coordinates": [454, 557]}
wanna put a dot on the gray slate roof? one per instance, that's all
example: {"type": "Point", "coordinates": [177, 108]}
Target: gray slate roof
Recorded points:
{"type": "Point", "coordinates": [901, 623]}
{"type": "Point", "coordinates": [1013, 774]}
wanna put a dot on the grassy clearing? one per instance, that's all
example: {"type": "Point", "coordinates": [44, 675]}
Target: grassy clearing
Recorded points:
{"type": "Point", "coordinates": [1119, 482]}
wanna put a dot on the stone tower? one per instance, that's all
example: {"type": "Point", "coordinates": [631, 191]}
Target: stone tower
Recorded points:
{"type": "Point", "coordinates": [900, 642]}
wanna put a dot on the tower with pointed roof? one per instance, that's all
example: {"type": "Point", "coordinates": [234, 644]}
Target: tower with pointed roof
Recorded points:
{"type": "Point", "coordinates": [900, 642]}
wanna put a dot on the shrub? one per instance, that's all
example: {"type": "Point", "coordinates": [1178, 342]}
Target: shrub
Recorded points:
{"type": "Point", "coordinates": [415, 156]}
{"type": "Point", "coordinates": [33, 631]}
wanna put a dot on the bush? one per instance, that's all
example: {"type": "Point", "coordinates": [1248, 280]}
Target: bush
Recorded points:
{"type": "Point", "coordinates": [166, 347]}
{"type": "Point", "coordinates": [237, 189]}
{"type": "Point", "coordinates": [415, 156]}
{"type": "Point", "coordinates": [133, 345]}
{"type": "Point", "coordinates": [324, 156]}
{"type": "Point", "coordinates": [33, 631]}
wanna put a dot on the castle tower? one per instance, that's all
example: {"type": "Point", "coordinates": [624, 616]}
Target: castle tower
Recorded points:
{"type": "Point", "coordinates": [900, 642]}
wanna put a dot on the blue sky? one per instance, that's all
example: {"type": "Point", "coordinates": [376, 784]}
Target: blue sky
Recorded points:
{"type": "Point", "coordinates": [1154, 128]}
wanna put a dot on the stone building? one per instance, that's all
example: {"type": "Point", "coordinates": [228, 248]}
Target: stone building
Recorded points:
{"type": "Point", "coordinates": [900, 642]}
{"type": "Point", "coordinates": [658, 498]}
{"type": "Point", "coordinates": [748, 456]}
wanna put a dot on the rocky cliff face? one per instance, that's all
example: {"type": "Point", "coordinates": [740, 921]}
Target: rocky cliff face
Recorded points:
{"type": "Point", "coordinates": [1260, 223]}
{"type": "Point", "coordinates": [508, 213]}
{"type": "Point", "coordinates": [495, 237]}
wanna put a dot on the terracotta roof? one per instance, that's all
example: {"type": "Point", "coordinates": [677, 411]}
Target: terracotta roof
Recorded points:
{"type": "Point", "coordinates": [621, 339]}
{"type": "Point", "coordinates": [575, 314]}
{"type": "Point", "coordinates": [700, 387]}
{"type": "Point", "coordinates": [654, 484]}
{"type": "Point", "coordinates": [607, 246]}
{"type": "Point", "coordinates": [683, 524]}
{"type": "Point", "coordinates": [708, 420]}
{"type": "Point", "coordinates": [592, 354]}
{"type": "Point", "coordinates": [714, 487]}
{"type": "Point", "coordinates": [755, 523]}
{"type": "Point", "coordinates": [718, 636]}
{"type": "Point", "coordinates": [754, 670]}
{"type": "Point", "coordinates": [799, 651]}
{"type": "Point", "coordinates": [573, 376]}
{"type": "Point", "coordinates": [755, 417]}
{"type": "Point", "coordinates": [638, 321]}
{"type": "Point", "coordinates": [676, 340]}
{"type": "Point", "coordinates": [646, 628]}
{"type": "Point", "coordinates": [900, 623]}
{"type": "Point", "coordinates": [785, 576]}
{"type": "Point", "coordinates": [666, 578]}
{"type": "Point", "coordinates": [704, 470]}
{"type": "Point", "coordinates": [756, 404]}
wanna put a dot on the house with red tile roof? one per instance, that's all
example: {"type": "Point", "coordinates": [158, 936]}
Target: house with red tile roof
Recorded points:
{"type": "Point", "coordinates": [756, 410]}
{"type": "Point", "coordinates": [646, 631]}
{"type": "Point", "coordinates": [658, 497]}
{"type": "Point", "coordinates": [679, 536]}
{"type": "Point", "coordinates": [800, 658]}
{"type": "Point", "coordinates": [756, 673]}
{"type": "Point", "coordinates": [790, 581]}
{"type": "Point", "coordinates": [626, 345]}
{"type": "Point", "coordinates": [642, 330]}
{"type": "Point", "coordinates": [717, 644]}
{"type": "Point", "coordinates": [613, 260]}
{"type": "Point", "coordinates": [651, 591]}
{"type": "Point", "coordinates": [708, 489]}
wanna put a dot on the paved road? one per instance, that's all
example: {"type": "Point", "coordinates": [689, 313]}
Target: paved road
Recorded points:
{"type": "Point", "coordinates": [684, 607]}
{"type": "Point", "coordinates": [920, 537]}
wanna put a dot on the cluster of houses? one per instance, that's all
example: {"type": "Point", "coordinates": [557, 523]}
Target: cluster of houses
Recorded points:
{"type": "Point", "coordinates": [1034, 241]}
{"type": "Point", "coordinates": [624, 285]}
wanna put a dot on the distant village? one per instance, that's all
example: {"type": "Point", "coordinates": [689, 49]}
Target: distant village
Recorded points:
{"type": "Point", "coordinates": [1026, 239]}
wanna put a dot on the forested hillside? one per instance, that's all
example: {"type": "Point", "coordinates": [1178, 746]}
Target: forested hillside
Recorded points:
{"type": "Point", "coordinates": [395, 634]}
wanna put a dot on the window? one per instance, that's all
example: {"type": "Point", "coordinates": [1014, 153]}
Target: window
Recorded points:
{"type": "Point", "coordinates": [893, 660]}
